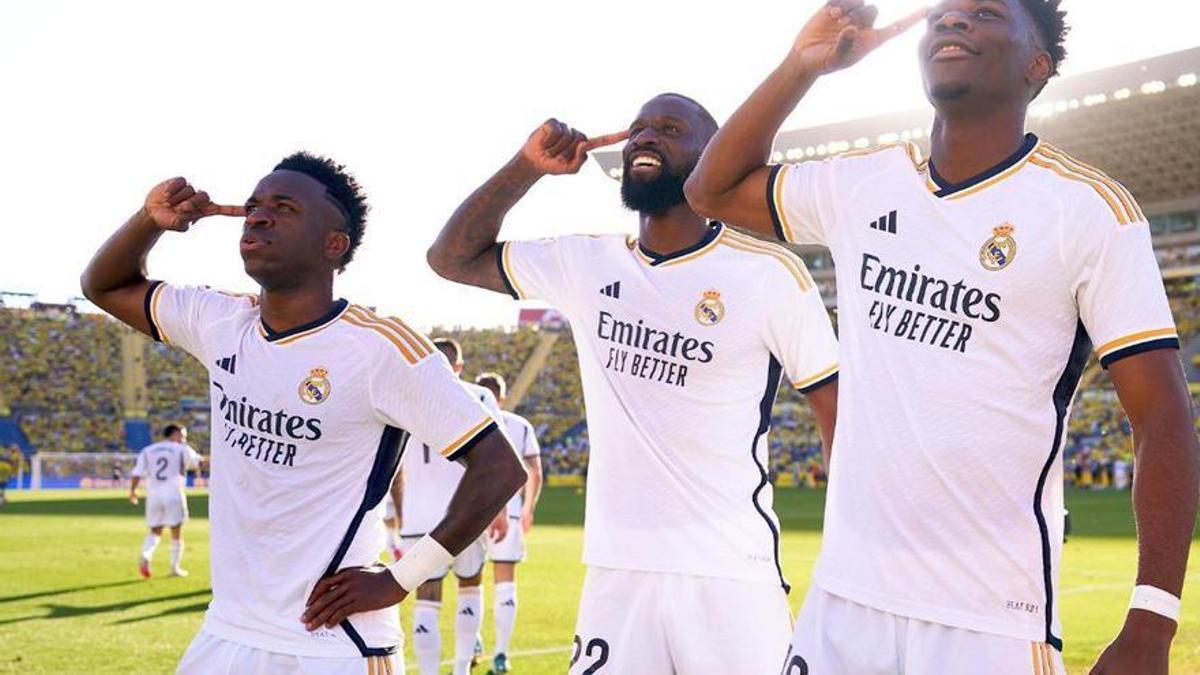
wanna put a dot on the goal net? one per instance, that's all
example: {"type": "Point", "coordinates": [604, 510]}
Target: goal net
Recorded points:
{"type": "Point", "coordinates": [80, 469]}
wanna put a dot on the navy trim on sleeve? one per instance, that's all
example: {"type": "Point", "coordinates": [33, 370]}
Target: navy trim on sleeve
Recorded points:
{"type": "Point", "coordinates": [829, 379]}
{"type": "Point", "coordinates": [1131, 350]}
{"type": "Point", "coordinates": [508, 285]}
{"type": "Point", "coordinates": [466, 447]}
{"type": "Point", "coordinates": [776, 221]}
{"type": "Point", "coordinates": [146, 307]}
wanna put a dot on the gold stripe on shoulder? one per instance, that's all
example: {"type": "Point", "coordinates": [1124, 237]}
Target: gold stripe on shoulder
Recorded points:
{"type": "Point", "coordinates": [368, 317]}
{"type": "Point", "coordinates": [353, 320]}
{"type": "Point", "coordinates": [789, 260]}
{"type": "Point", "coordinates": [462, 440]}
{"type": "Point", "coordinates": [420, 345]}
{"type": "Point", "coordinates": [1144, 336]}
{"type": "Point", "coordinates": [777, 195]}
{"type": "Point", "coordinates": [1047, 162]}
{"type": "Point", "coordinates": [1131, 206]}
{"type": "Point", "coordinates": [815, 378]}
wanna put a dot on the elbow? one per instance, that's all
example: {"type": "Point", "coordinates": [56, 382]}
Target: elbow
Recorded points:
{"type": "Point", "coordinates": [88, 286]}
{"type": "Point", "coordinates": [438, 262]}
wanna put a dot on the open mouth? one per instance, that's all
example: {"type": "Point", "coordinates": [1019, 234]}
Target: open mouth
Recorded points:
{"type": "Point", "coordinates": [645, 162]}
{"type": "Point", "coordinates": [944, 50]}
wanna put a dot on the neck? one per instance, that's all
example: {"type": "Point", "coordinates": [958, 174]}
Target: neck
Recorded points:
{"type": "Point", "coordinates": [674, 230]}
{"type": "Point", "coordinates": [284, 310]}
{"type": "Point", "coordinates": [963, 146]}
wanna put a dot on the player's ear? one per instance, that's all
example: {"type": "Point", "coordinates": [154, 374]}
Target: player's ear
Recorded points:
{"type": "Point", "coordinates": [1039, 72]}
{"type": "Point", "coordinates": [336, 245]}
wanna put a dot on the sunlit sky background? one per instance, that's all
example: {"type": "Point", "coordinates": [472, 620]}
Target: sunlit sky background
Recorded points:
{"type": "Point", "coordinates": [104, 99]}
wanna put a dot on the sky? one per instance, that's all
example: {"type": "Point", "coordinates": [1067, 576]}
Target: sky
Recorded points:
{"type": "Point", "coordinates": [102, 100]}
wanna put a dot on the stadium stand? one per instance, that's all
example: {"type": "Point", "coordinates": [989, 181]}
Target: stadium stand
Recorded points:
{"type": "Point", "coordinates": [63, 388]}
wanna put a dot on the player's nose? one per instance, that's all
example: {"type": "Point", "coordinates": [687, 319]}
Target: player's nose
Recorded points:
{"type": "Point", "coordinates": [953, 20]}
{"type": "Point", "coordinates": [258, 217]}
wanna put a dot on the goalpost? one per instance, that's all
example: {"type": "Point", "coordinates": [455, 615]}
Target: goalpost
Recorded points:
{"type": "Point", "coordinates": [80, 469]}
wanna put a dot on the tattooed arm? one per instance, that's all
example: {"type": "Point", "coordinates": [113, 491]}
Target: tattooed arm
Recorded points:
{"type": "Point", "coordinates": [465, 251]}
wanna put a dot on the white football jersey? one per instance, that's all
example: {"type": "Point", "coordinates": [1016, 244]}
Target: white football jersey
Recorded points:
{"type": "Point", "coordinates": [162, 467]}
{"type": "Point", "coordinates": [966, 314]}
{"type": "Point", "coordinates": [524, 440]}
{"type": "Point", "coordinates": [681, 357]}
{"type": "Point", "coordinates": [307, 428]}
{"type": "Point", "coordinates": [430, 479]}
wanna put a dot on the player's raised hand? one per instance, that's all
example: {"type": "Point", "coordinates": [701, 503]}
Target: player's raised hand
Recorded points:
{"type": "Point", "coordinates": [174, 205]}
{"type": "Point", "coordinates": [555, 148]}
{"type": "Point", "coordinates": [350, 591]}
{"type": "Point", "coordinates": [842, 32]}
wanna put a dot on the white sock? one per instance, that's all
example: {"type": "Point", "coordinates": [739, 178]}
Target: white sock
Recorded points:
{"type": "Point", "coordinates": [427, 638]}
{"type": "Point", "coordinates": [148, 545]}
{"type": "Point", "coordinates": [176, 552]}
{"type": "Point", "coordinates": [505, 613]}
{"type": "Point", "coordinates": [467, 621]}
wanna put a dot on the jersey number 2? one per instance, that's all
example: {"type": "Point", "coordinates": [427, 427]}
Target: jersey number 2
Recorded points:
{"type": "Point", "coordinates": [161, 474]}
{"type": "Point", "coordinates": [594, 645]}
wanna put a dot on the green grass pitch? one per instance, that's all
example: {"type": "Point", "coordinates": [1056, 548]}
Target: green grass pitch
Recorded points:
{"type": "Point", "coordinates": [71, 600]}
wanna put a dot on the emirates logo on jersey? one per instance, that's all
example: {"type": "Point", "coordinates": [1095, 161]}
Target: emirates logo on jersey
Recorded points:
{"type": "Point", "coordinates": [316, 387]}
{"type": "Point", "coordinates": [710, 310]}
{"type": "Point", "coordinates": [999, 251]}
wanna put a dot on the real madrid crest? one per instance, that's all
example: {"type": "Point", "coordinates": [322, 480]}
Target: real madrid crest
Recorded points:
{"type": "Point", "coordinates": [999, 251]}
{"type": "Point", "coordinates": [315, 388]}
{"type": "Point", "coordinates": [710, 310]}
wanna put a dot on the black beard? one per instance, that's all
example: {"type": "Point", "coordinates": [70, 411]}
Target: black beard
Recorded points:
{"type": "Point", "coordinates": [653, 197]}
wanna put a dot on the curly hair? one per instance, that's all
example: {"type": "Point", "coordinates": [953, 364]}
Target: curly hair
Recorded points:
{"type": "Point", "coordinates": [1051, 23]}
{"type": "Point", "coordinates": [341, 187]}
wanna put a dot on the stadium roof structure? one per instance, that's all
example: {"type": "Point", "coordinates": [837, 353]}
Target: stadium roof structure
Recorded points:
{"type": "Point", "coordinates": [1139, 122]}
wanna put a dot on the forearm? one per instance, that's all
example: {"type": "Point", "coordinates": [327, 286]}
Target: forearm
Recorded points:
{"type": "Point", "coordinates": [493, 476]}
{"type": "Point", "coordinates": [1165, 493]}
{"type": "Point", "coordinates": [121, 261]}
{"type": "Point", "coordinates": [463, 250]}
{"type": "Point", "coordinates": [133, 483]}
{"type": "Point", "coordinates": [743, 144]}
{"type": "Point", "coordinates": [533, 486]}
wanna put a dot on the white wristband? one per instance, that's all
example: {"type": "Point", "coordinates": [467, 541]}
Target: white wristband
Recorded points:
{"type": "Point", "coordinates": [1155, 600]}
{"type": "Point", "coordinates": [425, 559]}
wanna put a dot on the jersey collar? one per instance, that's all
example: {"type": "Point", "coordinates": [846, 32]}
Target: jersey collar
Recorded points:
{"type": "Point", "coordinates": [293, 334]}
{"type": "Point", "coordinates": [707, 243]}
{"type": "Point", "coordinates": [945, 189]}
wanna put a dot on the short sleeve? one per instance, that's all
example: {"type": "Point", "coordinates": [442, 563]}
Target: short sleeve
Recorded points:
{"type": "Point", "coordinates": [139, 465]}
{"type": "Point", "coordinates": [537, 269]}
{"type": "Point", "coordinates": [800, 335]}
{"type": "Point", "coordinates": [178, 314]}
{"type": "Point", "coordinates": [192, 458]}
{"type": "Point", "coordinates": [530, 446]}
{"type": "Point", "coordinates": [426, 398]}
{"type": "Point", "coordinates": [1119, 292]}
{"type": "Point", "coordinates": [798, 197]}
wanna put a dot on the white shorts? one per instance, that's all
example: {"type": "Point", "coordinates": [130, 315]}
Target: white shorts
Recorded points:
{"type": "Point", "coordinates": [168, 510]}
{"type": "Point", "coordinates": [210, 655]}
{"type": "Point", "coordinates": [835, 636]}
{"type": "Point", "coordinates": [511, 548]}
{"type": "Point", "coordinates": [652, 623]}
{"type": "Point", "coordinates": [467, 564]}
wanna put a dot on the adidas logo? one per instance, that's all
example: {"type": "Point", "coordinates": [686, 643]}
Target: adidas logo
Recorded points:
{"type": "Point", "coordinates": [228, 364]}
{"type": "Point", "coordinates": [509, 603]}
{"type": "Point", "coordinates": [420, 629]}
{"type": "Point", "coordinates": [886, 223]}
{"type": "Point", "coordinates": [612, 290]}
{"type": "Point", "coordinates": [467, 611]}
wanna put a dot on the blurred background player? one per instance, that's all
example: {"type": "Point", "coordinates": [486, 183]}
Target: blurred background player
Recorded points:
{"type": "Point", "coordinates": [506, 553]}
{"type": "Point", "coordinates": [683, 334]}
{"type": "Point", "coordinates": [163, 466]}
{"type": "Point", "coordinates": [425, 484]}
{"type": "Point", "coordinates": [311, 397]}
{"type": "Point", "coordinates": [1002, 262]}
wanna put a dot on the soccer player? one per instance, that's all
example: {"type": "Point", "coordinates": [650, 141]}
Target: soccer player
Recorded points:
{"type": "Point", "coordinates": [507, 552]}
{"type": "Point", "coordinates": [971, 288]}
{"type": "Point", "coordinates": [163, 466]}
{"type": "Point", "coordinates": [428, 482]}
{"type": "Point", "coordinates": [311, 398]}
{"type": "Point", "coordinates": [683, 333]}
